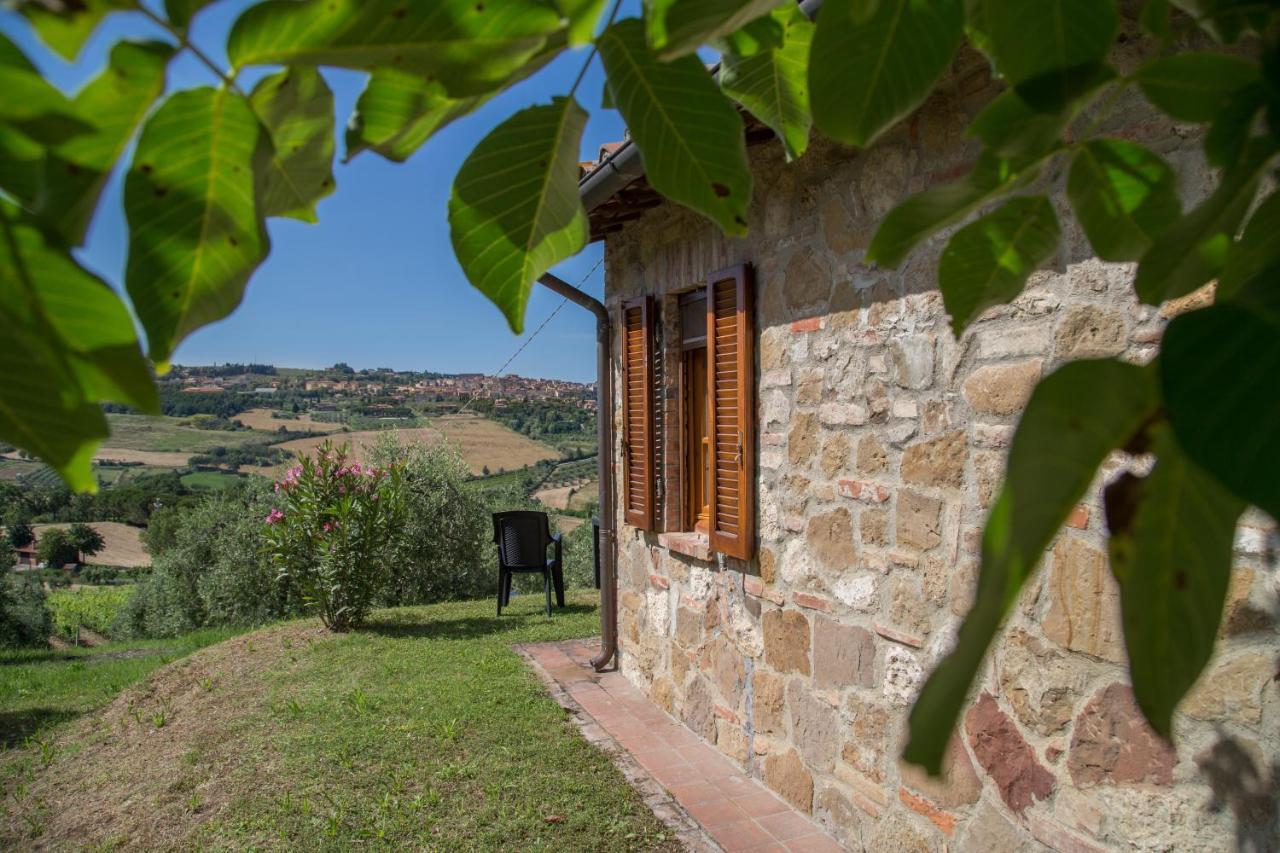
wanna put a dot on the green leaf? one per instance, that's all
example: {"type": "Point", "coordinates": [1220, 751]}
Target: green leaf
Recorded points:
{"type": "Point", "coordinates": [471, 48]}
{"type": "Point", "coordinates": [118, 98]}
{"type": "Point", "coordinates": [1218, 367]}
{"type": "Point", "coordinates": [515, 212]}
{"type": "Point", "coordinates": [871, 67]}
{"type": "Point", "coordinates": [1009, 127]}
{"type": "Point", "coordinates": [1226, 20]}
{"type": "Point", "coordinates": [1124, 195]}
{"type": "Point", "coordinates": [773, 81]}
{"type": "Point", "coordinates": [296, 108]}
{"type": "Point", "coordinates": [21, 162]}
{"type": "Point", "coordinates": [31, 104]}
{"type": "Point", "coordinates": [1050, 50]}
{"type": "Point", "coordinates": [398, 112]}
{"type": "Point", "coordinates": [988, 261]}
{"type": "Point", "coordinates": [195, 231]}
{"type": "Point", "coordinates": [1228, 136]}
{"type": "Point", "coordinates": [689, 134]}
{"type": "Point", "coordinates": [1194, 249]}
{"type": "Point", "coordinates": [66, 29]}
{"type": "Point", "coordinates": [1056, 450]}
{"type": "Point", "coordinates": [924, 213]}
{"type": "Point", "coordinates": [1170, 547]}
{"type": "Point", "coordinates": [679, 27]}
{"type": "Point", "coordinates": [78, 310]}
{"type": "Point", "coordinates": [181, 12]}
{"type": "Point", "coordinates": [1257, 250]}
{"type": "Point", "coordinates": [583, 15]}
{"type": "Point", "coordinates": [1194, 86]}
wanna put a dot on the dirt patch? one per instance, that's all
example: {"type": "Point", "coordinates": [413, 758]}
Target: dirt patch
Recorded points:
{"type": "Point", "coordinates": [123, 549]}
{"type": "Point", "coordinates": [161, 759]}
{"type": "Point", "coordinates": [566, 524]}
{"type": "Point", "coordinates": [262, 419]}
{"type": "Point", "coordinates": [158, 458]}
{"type": "Point", "coordinates": [577, 496]}
{"type": "Point", "coordinates": [483, 443]}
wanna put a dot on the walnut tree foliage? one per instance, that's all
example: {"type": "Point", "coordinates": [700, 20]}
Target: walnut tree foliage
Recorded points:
{"type": "Point", "coordinates": [211, 164]}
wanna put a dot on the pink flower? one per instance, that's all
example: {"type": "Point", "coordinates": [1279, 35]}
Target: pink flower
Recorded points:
{"type": "Point", "coordinates": [275, 516]}
{"type": "Point", "coordinates": [328, 526]}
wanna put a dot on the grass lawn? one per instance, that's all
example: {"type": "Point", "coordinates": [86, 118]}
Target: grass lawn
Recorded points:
{"type": "Point", "coordinates": [41, 687]}
{"type": "Point", "coordinates": [422, 731]}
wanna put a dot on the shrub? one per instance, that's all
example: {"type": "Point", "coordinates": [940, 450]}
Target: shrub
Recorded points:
{"type": "Point", "coordinates": [94, 607]}
{"type": "Point", "coordinates": [24, 620]}
{"type": "Point", "coordinates": [441, 549]}
{"type": "Point", "coordinates": [87, 540]}
{"type": "Point", "coordinates": [54, 548]}
{"type": "Point", "coordinates": [332, 534]}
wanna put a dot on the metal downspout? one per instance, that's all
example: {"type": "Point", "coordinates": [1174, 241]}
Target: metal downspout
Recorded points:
{"type": "Point", "coordinates": [604, 466]}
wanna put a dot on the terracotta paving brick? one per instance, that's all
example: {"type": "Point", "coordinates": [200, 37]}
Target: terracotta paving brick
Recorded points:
{"type": "Point", "coordinates": [705, 793]}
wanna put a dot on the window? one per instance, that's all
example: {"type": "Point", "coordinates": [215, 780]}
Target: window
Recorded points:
{"type": "Point", "coordinates": [714, 441]}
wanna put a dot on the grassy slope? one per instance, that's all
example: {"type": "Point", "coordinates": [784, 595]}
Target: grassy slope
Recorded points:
{"type": "Point", "coordinates": [424, 731]}
{"type": "Point", "coordinates": [165, 434]}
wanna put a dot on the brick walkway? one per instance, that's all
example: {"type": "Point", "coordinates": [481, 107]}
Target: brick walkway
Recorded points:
{"type": "Point", "coordinates": [706, 800]}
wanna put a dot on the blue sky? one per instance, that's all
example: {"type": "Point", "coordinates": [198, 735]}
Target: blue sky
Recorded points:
{"type": "Point", "coordinates": [374, 283]}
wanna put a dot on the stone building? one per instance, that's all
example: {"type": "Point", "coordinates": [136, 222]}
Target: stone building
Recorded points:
{"type": "Point", "coordinates": [793, 629]}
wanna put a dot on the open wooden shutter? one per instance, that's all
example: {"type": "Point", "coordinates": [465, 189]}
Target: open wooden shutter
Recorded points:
{"type": "Point", "coordinates": [731, 385]}
{"type": "Point", "coordinates": [637, 412]}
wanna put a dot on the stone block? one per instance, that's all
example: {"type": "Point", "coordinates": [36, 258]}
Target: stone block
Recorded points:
{"type": "Point", "coordinates": [919, 523]}
{"type": "Point", "coordinates": [859, 592]}
{"type": "Point", "coordinates": [843, 655]}
{"type": "Point", "coordinates": [873, 527]}
{"type": "Point", "coordinates": [1232, 689]}
{"type": "Point", "coordinates": [911, 362]}
{"type": "Point", "coordinates": [807, 282]}
{"type": "Point", "coordinates": [768, 707]}
{"type": "Point", "coordinates": [786, 774]}
{"type": "Point", "coordinates": [872, 458]}
{"type": "Point", "coordinates": [1084, 607]}
{"type": "Point", "coordinates": [937, 462]}
{"type": "Point", "coordinates": [1006, 757]}
{"type": "Point", "coordinates": [802, 440]}
{"type": "Point", "coordinates": [957, 786]}
{"type": "Point", "coordinates": [786, 641]}
{"type": "Point", "coordinates": [1041, 685]}
{"type": "Point", "coordinates": [1090, 331]}
{"type": "Point", "coordinates": [835, 455]}
{"type": "Point", "coordinates": [1112, 743]}
{"type": "Point", "coordinates": [830, 539]}
{"type": "Point", "coordinates": [815, 726]}
{"type": "Point", "coordinates": [902, 675]}
{"type": "Point", "coordinates": [698, 712]}
{"type": "Point", "coordinates": [1002, 389]}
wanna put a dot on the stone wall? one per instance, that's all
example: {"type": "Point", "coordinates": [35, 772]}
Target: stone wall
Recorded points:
{"type": "Point", "coordinates": [882, 441]}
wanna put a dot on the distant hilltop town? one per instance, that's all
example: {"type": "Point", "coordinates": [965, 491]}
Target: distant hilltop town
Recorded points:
{"type": "Point", "coordinates": [398, 386]}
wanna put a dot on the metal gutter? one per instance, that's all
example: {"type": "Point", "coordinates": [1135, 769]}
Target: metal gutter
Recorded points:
{"type": "Point", "coordinates": [604, 466]}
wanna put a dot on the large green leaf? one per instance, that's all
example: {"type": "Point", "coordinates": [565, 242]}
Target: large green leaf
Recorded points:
{"type": "Point", "coordinates": [1058, 446]}
{"type": "Point", "coordinates": [118, 98]}
{"type": "Point", "coordinates": [924, 213]}
{"type": "Point", "coordinates": [872, 64]}
{"type": "Point", "coordinates": [398, 112]}
{"type": "Point", "coordinates": [1170, 546]}
{"type": "Point", "coordinates": [679, 27]}
{"type": "Point", "coordinates": [296, 108]}
{"type": "Point", "coordinates": [31, 104]}
{"type": "Point", "coordinates": [195, 231]}
{"type": "Point", "coordinates": [1218, 367]}
{"type": "Point", "coordinates": [21, 162]}
{"type": "Point", "coordinates": [65, 27]}
{"type": "Point", "coordinates": [1050, 50]}
{"type": "Point", "coordinates": [1124, 195]}
{"type": "Point", "coordinates": [1010, 127]}
{"type": "Point", "coordinates": [82, 315]}
{"type": "Point", "coordinates": [515, 211]}
{"type": "Point", "coordinates": [772, 81]}
{"type": "Point", "coordinates": [690, 136]}
{"type": "Point", "coordinates": [1232, 126]}
{"type": "Point", "coordinates": [1194, 86]}
{"type": "Point", "coordinates": [1257, 250]}
{"type": "Point", "coordinates": [988, 261]}
{"type": "Point", "coordinates": [471, 48]}
{"type": "Point", "coordinates": [1194, 249]}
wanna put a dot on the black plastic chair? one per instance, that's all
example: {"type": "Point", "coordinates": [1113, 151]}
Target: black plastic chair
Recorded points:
{"type": "Point", "coordinates": [522, 538]}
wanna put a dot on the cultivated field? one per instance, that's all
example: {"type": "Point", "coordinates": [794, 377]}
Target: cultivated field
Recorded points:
{"type": "Point", "coordinates": [261, 419]}
{"type": "Point", "coordinates": [568, 497]}
{"type": "Point", "coordinates": [482, 442]}
{"type": "Point", "coordinates": [123, 544]}
{"type": "Point", "coordinates": [165, 442]}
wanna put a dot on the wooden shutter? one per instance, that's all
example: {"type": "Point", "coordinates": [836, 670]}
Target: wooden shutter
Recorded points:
{"type": "Point", "coordinates": [731, 386]}
{"type": "Point", "coordinates": [637, 412]}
